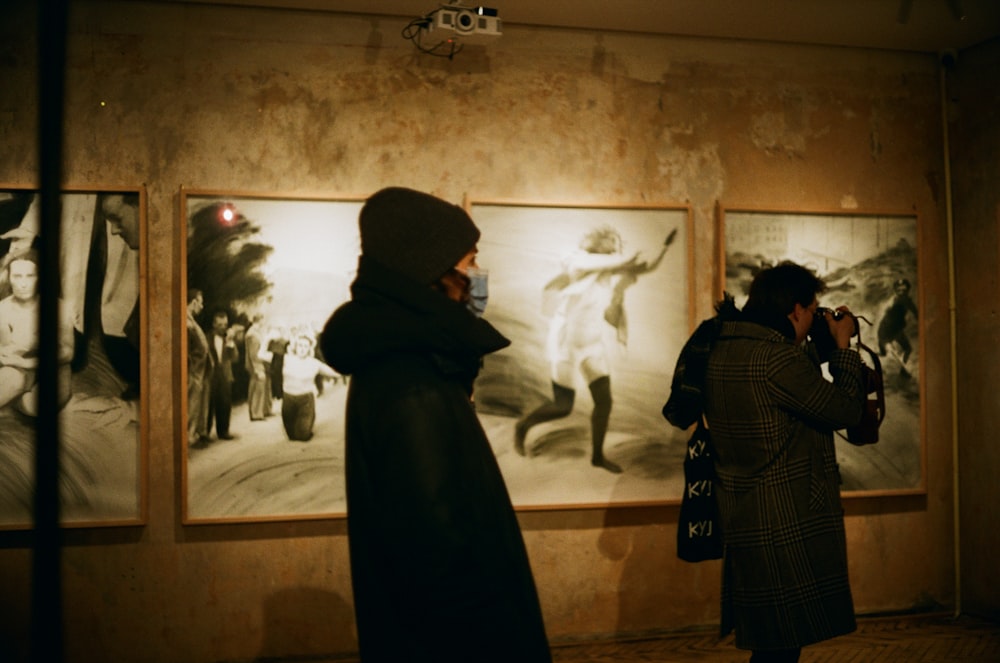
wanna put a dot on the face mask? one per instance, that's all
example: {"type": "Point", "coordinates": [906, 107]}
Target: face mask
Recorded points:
{"type": "Point", "coordinates": [478, 290]}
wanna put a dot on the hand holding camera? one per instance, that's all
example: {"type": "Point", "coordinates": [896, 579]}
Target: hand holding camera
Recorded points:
{"type": "Point", "coordinates": [842, 323]}
{"type": "Point", "coordinates": [832, 329]}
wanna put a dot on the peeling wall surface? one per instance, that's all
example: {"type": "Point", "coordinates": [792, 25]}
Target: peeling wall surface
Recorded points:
{"type": "Point", "coordinates": [167, 96]}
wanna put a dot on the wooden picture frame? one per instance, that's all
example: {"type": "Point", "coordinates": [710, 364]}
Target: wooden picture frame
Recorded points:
{"type": "Point", "coordinates": [102, 356]}
{"type": "Point", "coordinates": [289, 261]}
{"type": "Point", "coordinates": [535, 254]}
{"type": "Point", "coordinates": [870, 262]}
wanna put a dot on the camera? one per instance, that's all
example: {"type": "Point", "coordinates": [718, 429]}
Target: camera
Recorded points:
{"type": "Point", "coordinates": [821, 312]}
{"type": "Point", "coordinates": [820, 334]}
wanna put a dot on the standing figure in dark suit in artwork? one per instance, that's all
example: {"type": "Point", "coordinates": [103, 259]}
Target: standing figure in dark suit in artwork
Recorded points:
{"type": "Point", "coordinates": [222, 347]}
{"type": "Point", "coordinates": [277, 346]}
{"type": "Point", "coordinates": [200, 361]}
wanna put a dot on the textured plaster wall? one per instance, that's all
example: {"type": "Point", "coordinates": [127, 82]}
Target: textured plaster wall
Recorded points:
{"type": "Point", "coordinates": [167, 96]}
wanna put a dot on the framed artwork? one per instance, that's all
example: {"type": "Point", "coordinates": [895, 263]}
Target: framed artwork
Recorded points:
{"type": "Point", "coordinates": [870, 263]}
{"type": "Point", "coordinates": [597, 303]}
{"type": "Point", "coordinates": [101, 356]}
{"type": "Point", "coordinates": [261, 275]}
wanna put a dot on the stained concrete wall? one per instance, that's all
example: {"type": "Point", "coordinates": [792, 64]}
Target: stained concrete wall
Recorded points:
{"type": "Point", "coordinates": [166, 96]}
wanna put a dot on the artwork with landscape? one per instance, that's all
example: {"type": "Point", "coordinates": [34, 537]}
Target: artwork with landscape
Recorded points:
{"type": "Point", "coordinates": [870, 264]}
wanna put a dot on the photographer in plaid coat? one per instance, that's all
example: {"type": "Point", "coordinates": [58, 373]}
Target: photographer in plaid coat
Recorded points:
{"type": "Point", "coordinates": [772, 415]}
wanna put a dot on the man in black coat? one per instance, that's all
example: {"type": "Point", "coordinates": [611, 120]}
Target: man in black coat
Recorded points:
{"type": "Point", "coordinates": [438, 565]}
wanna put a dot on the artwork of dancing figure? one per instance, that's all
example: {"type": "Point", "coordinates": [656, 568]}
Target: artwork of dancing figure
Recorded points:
{"type": "Point", "coordinates": [589, 293]}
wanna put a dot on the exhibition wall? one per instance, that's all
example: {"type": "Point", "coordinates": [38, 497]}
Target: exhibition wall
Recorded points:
{"type": "Point", "coordinates": [169, 99]}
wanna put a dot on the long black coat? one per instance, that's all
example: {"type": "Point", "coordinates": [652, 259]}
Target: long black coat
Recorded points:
{"type": "Point", "coordinates": [438, 564]}
{"type": "Point", "coordinates": [772, 417]}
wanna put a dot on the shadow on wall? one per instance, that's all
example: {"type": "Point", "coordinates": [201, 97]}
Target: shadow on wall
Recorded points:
{"type": "Point", "coordinates": [652, 595]}
{"type": "Point", "coordinates": [304, 621]}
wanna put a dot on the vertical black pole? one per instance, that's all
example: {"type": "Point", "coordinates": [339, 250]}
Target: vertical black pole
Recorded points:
{"type": "Point", "coordinates": [46, 607]}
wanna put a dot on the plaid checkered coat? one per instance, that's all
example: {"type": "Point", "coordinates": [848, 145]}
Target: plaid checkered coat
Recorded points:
{"type": "Point", "coordinates": [772, 416]}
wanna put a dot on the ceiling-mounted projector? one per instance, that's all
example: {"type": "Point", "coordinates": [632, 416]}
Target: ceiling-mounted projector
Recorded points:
{"type": "Point", "coordinates": [468, 25]}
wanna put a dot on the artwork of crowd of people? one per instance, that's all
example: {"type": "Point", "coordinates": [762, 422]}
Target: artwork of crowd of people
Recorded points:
{"type": "Point", "coordinates": [238, 351]}
{"type": "Point", "coordinates": [274, 368]}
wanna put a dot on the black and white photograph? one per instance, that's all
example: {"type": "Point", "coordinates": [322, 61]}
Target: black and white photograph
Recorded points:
{"type": "Point", "coordinates": [264, 413]}
{"type": "Point", "coordinates": [100, 356]}
{"type": "Point", "coordinates": [597, 303]}
{"type": "Point", "coordinates": [870, 264]}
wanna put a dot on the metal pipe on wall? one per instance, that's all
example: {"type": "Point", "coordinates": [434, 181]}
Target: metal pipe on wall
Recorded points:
{"type": "Point", "coordinates": [946, 61]}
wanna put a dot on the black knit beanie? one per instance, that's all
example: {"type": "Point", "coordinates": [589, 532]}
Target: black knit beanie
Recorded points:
{"type": "Point", "coordinates": [415, 233]}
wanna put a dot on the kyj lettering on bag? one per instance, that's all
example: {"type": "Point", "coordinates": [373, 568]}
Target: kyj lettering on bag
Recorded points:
{"type": "Point", "coordinates": [701, 488]}
{"type": "Point", "coordinates": [699, 528]}
{"type": "Point", "coordinates": [698, 449]}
